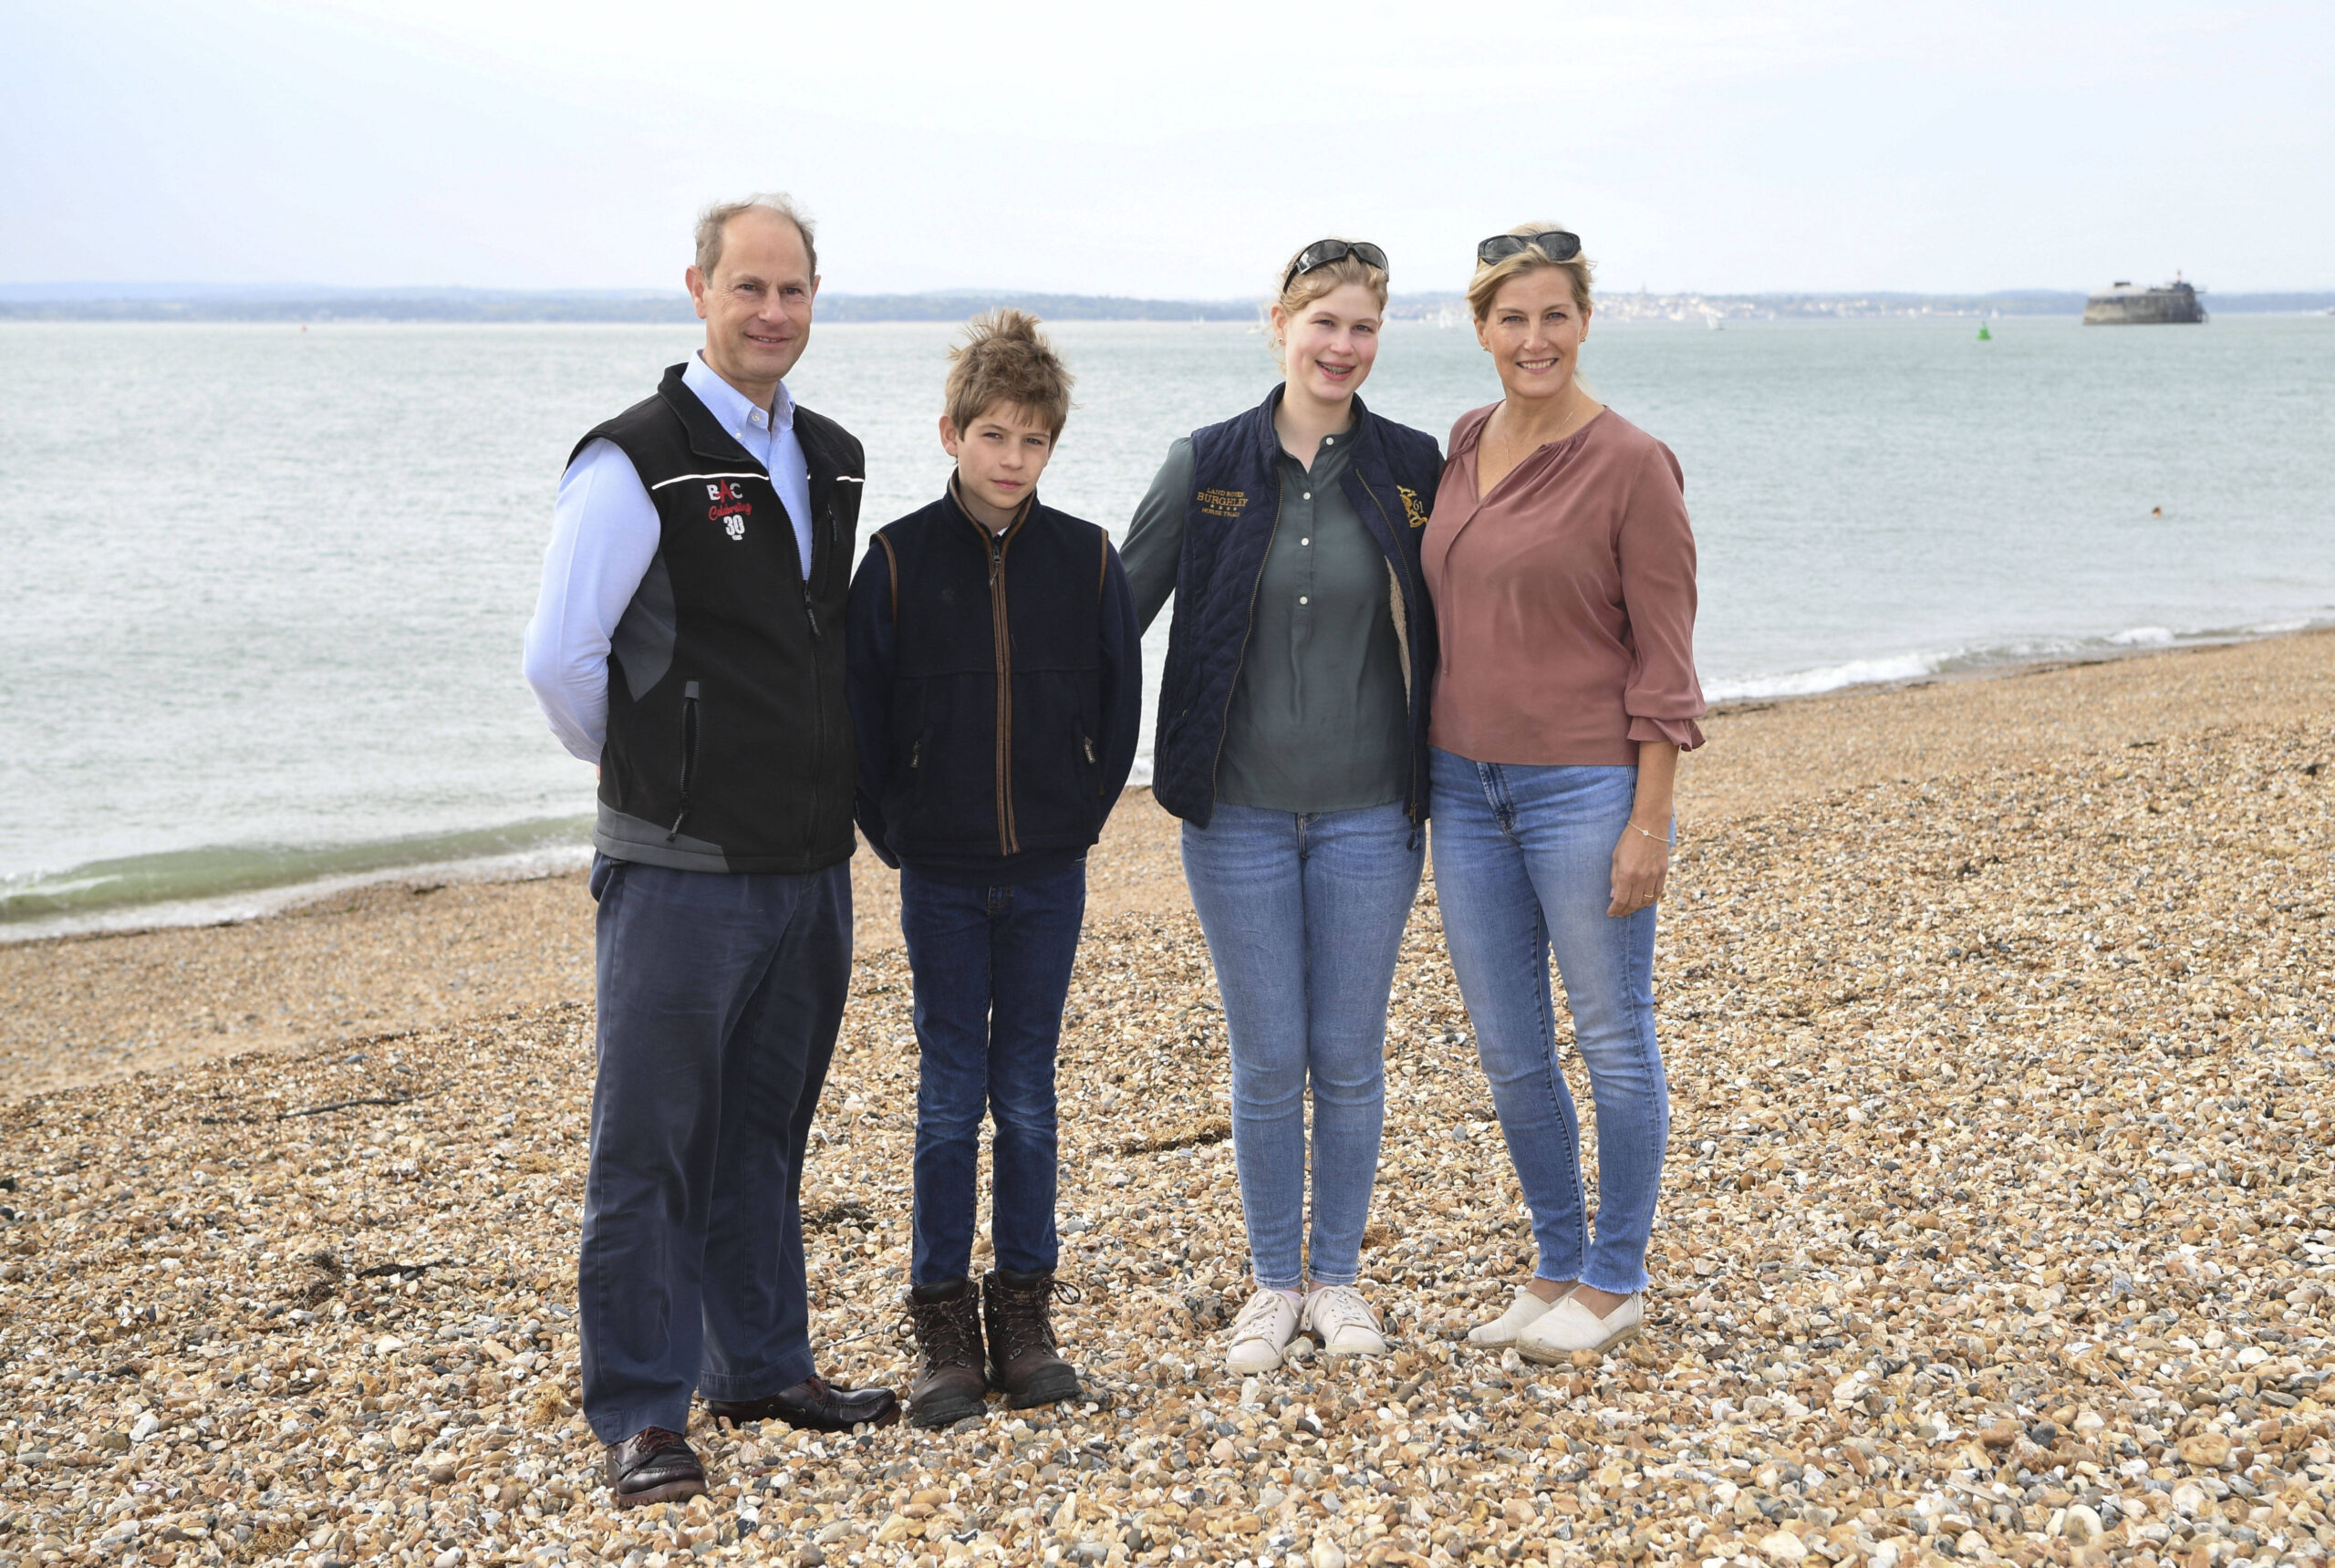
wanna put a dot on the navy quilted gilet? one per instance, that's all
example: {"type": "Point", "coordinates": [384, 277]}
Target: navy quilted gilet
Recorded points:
{"type": "Point", "coordinates": [1227, 528]}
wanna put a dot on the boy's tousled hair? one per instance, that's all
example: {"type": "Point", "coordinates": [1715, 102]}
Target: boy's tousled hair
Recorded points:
{"type": "Point", "coordinates": [1004, 358]}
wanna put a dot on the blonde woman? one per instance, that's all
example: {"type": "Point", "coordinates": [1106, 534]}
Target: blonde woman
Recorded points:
{"type": "Point", "coordinates": [1563, 570]}
{"type": "Point", "coordinates": [1292, 741]}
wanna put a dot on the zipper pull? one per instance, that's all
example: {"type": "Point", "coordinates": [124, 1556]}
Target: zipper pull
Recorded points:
{"type": "Point", "coordinates": [1089, 745]}
{"type": "Point", "coordinates": [809, 614]}
{"type": "Point", "coordinates": [915, 755]}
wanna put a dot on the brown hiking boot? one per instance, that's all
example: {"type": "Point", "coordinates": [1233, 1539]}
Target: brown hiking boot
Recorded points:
{"type": "Point", "coordinates": [1022, 1364]}
{"type": "Point", "coordinates": [948, 1322]}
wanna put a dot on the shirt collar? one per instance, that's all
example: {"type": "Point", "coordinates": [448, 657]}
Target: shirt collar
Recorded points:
{"type": "Point", "coordinates": [728, 404]}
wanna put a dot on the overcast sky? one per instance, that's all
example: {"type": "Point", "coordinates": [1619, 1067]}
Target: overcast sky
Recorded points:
{"type": "Point", "coordinates": [1170, 150]}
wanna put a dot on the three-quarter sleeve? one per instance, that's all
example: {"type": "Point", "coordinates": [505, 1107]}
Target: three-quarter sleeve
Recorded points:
{"type": "Point", "coordinates": [1655, 548]}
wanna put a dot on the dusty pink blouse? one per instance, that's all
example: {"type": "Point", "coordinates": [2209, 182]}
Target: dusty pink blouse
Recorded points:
{"type": "Point", "coordinates": [1565, 600]}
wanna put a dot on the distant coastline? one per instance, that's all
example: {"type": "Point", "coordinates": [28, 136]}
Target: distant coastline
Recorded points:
{"type": "Point", "coordinates": [303, 303]}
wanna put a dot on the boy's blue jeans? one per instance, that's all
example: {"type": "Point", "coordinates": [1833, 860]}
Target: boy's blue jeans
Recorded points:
{"type": "Point", "coordinates": [991, 966]}
{"type": "Point", "coordinates": [1523, 868]}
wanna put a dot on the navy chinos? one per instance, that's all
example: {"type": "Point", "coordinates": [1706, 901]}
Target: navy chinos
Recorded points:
{"type": "Point", "coordinates": [720, 997]}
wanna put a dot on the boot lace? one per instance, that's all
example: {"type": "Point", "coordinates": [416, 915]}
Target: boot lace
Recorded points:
{"type": "Point", "coordinates": [949, 1332]}
{"type": "Point", "coordinates": [1024, 1318]}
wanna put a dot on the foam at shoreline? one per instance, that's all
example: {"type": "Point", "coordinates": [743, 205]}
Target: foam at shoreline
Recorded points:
{"type": "Point", "coordinates": [214, 885]}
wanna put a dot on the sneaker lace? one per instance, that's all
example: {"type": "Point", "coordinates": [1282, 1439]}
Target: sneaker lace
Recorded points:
{"type": "Point", "coordinates": [1337, 1307]}
{"type": "Point", "coordinates": [1257, 1319]}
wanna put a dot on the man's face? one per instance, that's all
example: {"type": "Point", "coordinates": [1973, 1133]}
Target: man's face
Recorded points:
{"type": "Point", "coordinates": [1000, 455]}
{"type": "Point", "coordinates": [757, 305]}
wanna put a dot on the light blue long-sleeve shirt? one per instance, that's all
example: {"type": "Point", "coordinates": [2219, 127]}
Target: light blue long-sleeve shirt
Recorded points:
{"type": "Point", "coordinates": [604, 535]}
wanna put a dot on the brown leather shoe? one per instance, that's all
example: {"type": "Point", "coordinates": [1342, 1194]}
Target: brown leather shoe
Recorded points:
{"type": "Point", "coordinates": [653, 1465]}
{"type": "Point", "coordinates": [816, 1404]}
{"type": "Point", "coordinates": [1023, 1363]}
{"type": "Point", "coordinates": [948, 1322]}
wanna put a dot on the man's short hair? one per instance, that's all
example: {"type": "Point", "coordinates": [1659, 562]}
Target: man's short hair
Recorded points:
{"type": "Point", "coordinates": [713, 226]}
{"type": "Point", "coordinates": [1004, 358]}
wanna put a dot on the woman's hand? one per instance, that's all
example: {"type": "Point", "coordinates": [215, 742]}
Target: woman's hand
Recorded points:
{"type": "Point", "coordinates": [1642, 858]}
{"type": "Point", "coordinates": [1640, 864]}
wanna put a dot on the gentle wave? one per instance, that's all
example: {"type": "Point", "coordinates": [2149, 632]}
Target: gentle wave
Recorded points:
{"type": "Point", "coordinates": [229, 882]}
{"type": "Point", "coordinates": [236, 881]}
{"type": "Point", "coordinates": [1919, 666]}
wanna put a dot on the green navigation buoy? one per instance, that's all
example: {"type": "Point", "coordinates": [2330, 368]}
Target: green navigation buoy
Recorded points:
{"type": "Point", "coordinates": [1985, 335]}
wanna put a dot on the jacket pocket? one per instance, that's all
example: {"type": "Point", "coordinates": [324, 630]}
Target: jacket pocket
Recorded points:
{"type": "Point", "coordinates": [690, 727]}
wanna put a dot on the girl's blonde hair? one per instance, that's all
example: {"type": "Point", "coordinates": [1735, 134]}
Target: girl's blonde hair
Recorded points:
{"type": "Point", "coordinates": [1330, 276]}
{"type": "Point", "coordinates": [1489, 280]}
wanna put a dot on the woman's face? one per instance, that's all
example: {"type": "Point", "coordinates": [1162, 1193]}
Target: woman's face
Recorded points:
{"type": "Point", "coordinates": [1533, 332]}
{"type": "Point", "coordinates": [1327, 347]}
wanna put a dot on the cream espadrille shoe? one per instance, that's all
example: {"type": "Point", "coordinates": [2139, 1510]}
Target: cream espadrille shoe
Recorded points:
{"type": "Point", "coordinates": [1501, 1332]}
{"type": "Point", "coordinates": [1569, 1326]}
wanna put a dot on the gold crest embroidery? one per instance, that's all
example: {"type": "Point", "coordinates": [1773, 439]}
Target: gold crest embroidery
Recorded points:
{"type": "Point", "coordinates": [1222, 502]}
{"type": "Point", "coordinates": [1411, 505]}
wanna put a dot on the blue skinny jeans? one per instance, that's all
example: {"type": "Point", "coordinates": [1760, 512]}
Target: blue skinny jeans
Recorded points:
{"type": "Point", "coordinates": [1523, 868]}
{"type": "Point", "coordinates": [1304, 916]}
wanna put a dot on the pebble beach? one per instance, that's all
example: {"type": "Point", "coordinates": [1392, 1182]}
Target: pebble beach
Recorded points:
{"type": "Point", "coordinates": [1998, 1223]}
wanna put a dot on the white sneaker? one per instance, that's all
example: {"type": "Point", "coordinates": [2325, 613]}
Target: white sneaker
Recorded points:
{"type": "Point", "coordinates": [1501, 1332]}
{"type": "Point", "coordinates": [1261, 1333]}
{"type": "Point", "coordinates": [1343, 1322]}
{"type": "Point", "coordinates": [1571, 1326]}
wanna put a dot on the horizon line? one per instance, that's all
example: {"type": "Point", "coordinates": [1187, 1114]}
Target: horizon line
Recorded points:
{"type": "Point", "coordinates": [63, 290]}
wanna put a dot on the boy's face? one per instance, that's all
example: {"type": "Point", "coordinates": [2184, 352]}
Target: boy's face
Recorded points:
{"type": "Point", "coordinates": [998, 458]}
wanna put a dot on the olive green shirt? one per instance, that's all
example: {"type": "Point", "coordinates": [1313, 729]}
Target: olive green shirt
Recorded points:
{"type": "Point", "coordinates": [1320, 719]}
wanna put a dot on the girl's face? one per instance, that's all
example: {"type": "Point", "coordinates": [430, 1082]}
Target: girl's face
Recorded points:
{"type": "Point", "coordinates": [1327, 347]}
{"type": "Point", "coordinates": [1533, 332]}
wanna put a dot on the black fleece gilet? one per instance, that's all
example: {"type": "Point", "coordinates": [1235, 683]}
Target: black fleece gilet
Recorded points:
{"type": "Point", "coordinates": [728, 742]}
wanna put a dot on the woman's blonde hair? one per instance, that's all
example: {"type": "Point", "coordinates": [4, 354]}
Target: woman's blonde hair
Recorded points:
{"type": "Point", "coordinates": [1330, 276]}
{"type": "Point", "coordinates": [1489, 280]}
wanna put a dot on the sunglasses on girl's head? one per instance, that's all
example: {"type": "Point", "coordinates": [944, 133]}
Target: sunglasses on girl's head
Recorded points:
{"type": "Point", "coordinates": [1555, 244]}
{"type": "Point", "coordinates": [1322, 252]}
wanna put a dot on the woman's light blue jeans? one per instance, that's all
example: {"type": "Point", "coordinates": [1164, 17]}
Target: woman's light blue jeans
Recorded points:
{"type": "Point", "coordinates": [1305, 917]}
{"type": "Point", "coordinates": [1524, 867]}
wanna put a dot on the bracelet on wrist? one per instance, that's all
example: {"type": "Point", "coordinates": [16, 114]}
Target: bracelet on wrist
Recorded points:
{"type": "Point", "coordinates": [1661, 838]}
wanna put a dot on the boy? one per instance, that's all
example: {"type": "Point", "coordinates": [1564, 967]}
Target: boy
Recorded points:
{"type": "Point", "coordinates": [995, 688]}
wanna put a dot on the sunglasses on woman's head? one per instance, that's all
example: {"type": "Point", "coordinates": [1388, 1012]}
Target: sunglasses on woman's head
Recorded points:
{"type": "Point", "coordinates": [1322, 252]}
{"type": "Point", "coordinates": [1555, 244]}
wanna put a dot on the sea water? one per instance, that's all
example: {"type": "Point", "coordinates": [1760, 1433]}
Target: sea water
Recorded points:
{"type": "Point", "coordinates": [263, 586]}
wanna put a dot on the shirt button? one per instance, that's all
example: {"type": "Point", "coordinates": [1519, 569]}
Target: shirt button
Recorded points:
{"type": "Point", "coordinates": [1303, 600]}
{"type": "Point", "coordinates": [1305, 541]}
{"type": "Point", "coordinates": [1329, 440]}
{"type": "Point", "coordinates": [1308, 495]}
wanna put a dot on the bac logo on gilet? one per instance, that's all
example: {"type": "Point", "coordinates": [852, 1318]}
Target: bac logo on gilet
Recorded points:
{"type": "Point", "coordinates": [730, 508]}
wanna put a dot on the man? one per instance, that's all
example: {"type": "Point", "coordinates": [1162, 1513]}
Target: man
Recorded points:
{"type": "Point", "coordinates": [689, 639]}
